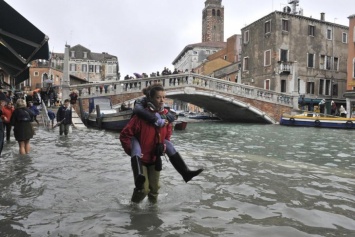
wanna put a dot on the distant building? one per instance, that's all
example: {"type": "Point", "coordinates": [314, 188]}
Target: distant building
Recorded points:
{"type": "Point", "coordinates": [209, 66]}
{"type": "Point", "coordinates": [351, 54]}
{"type": "Point", "coordinates": [350, 93]}
{"type": "Point", "coordinates": [194, 54]}
{"type": "Point", "coordinates": [231, 53]}
{"type": "Point", "coordinates": [88, 65]}
{"type": "Point", "coordinates": [288, 53]}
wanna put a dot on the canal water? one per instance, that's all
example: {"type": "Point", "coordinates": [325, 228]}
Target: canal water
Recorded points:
{"type": "Point", "coordinates": [259, 180]}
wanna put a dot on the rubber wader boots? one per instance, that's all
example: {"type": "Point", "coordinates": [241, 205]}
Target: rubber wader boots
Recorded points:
{"type": "Point", "coordinates": [181, 167]}
{"type": "Point", "coordinates": [139, 179]}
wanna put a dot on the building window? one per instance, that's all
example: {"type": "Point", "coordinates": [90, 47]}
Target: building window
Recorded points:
{"type": "Point", "coordinates": [109, 69]}
{"type": "Point", "coordinates": [246, 36]}
{"type": "Point", "coordinates": [72, 67]}
{"type": "Point", "coordinates": [335, 90]}
{"type": "Point", "coordinates": [325, 62]}
{"type": "Point", "coordinates": [84, 67]}
{"type": "Point", "coordinates": [284, 24]}
{"type": "Point", "coordinates": [283, 86]}
{"type": "Point", "coordinates": [97, 68]}
{"type": "Point", "coordinates": [85, 54]}
{"type": "Point", "coordinates": [246, 64]}
{"type": "Point", "coordinates": [267, 27]}
{"type": "Point", "coordinates": [218, 13]}
{"type": "Point", "coordinates": [344, 38]}
{"type": "Point", "coordinates": [310, 88]}
{"type": "Point", "coordinates": [311, 30]}
{"type": "Point", "coordinates": [328, 62]}
{"type": "Point", "coordinates": [72, 54]}
{"type": "Point", "coordinates": [36, 74]}
{"type": "Point", "coordinates": [267, 84]}
{"type": "Point", "coordinates": [298, 85]}
{"type": "Point", "coordinates": [310, 60]}
{"type": "Point", "coordinates": [283, 55]}
{"type": "Point", "coordinates": [91, 68]}
{"type": "Point", "coordinates": [267, 58]}
{"type": "Point", "coordinates": [225, 57]}
{"type": "Point", "coordinates": [324, 87]}
{"type": "Point", "coordinates": [329, 34]}
{"type": "Point", "coordinates": [213, 12]}
{"type": "Point", "coordinates": [335, 64]}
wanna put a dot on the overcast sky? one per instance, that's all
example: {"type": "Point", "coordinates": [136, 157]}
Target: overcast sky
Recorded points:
{"type": "Point", "coordinates": [147, 35]}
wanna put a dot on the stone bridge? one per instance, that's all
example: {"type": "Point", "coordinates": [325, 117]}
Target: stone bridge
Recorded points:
{"type": "Point", "coordinates": [230, 101]}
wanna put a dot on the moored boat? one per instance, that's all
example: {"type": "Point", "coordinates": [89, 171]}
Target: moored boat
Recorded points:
{"type": "Point", "coordinates": [103, 116]}
{"type": "Point", "coordinates": [180, 125]}
{"type": "Point", "coordinates": [312, 119]}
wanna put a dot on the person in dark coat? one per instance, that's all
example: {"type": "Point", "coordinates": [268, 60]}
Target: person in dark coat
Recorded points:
{"type": "Point", "coordinates": [73, 98]}
{"type": "Point", "coordinates": [22, 119]}
{"type": "Point", "coordinates": [64, 117]}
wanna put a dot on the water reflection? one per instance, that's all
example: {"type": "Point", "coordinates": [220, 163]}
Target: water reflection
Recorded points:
{"type": "Point", "coordinates": [258, 180]}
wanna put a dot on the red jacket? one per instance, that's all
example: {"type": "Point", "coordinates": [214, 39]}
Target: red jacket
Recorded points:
{"type": "Point", "coordinates": [146, 134]}
{"type": "Point", "coordinates": [6, 112]}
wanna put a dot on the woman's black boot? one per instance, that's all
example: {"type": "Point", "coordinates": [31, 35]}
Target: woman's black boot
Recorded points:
{"type": "Point", "coordinates": [182, 168]}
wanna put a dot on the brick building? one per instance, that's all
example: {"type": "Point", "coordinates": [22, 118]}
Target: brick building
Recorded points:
{"type": "Point", "coordinates": [213, 21]}
{"type": "Point", "coordinates": [287, 52]}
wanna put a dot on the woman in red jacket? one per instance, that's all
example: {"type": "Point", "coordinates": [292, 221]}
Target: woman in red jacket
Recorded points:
{"type": "Point", "coordinates": [146, 167]}
{"type": "Point", "coordinates": [7, 111]}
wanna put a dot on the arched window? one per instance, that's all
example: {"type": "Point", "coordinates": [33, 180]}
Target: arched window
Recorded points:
{"type": "Point", "coordinates": [44, 77]}
{"type": "Point", "coordinates": [218, 13]}
{"type": "Point", "coordinates": [213, 12]}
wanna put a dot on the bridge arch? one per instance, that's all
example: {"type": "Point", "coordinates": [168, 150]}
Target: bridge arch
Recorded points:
{"type": "Point", "coordinates": [227, 108]}
{"type": "Point", "coordinates": [230, 101]}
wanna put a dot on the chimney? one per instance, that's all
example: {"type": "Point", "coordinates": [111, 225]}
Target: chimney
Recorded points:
{"type": "Point", "coordinates": [322, 16]}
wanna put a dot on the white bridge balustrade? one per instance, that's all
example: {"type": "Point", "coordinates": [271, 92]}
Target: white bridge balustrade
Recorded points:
{"type": "Point", "coordinates": [230, 101]}
{"type": "Point", "coordinates": [180, 81]}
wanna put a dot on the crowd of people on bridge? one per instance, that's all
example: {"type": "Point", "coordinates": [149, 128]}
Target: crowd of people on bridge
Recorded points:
{"type": "Point", "coordinates": [165, 71]}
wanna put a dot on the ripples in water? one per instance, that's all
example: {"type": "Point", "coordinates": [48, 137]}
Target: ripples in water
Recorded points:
{"type": "Point", "coordinates": [259, 180]}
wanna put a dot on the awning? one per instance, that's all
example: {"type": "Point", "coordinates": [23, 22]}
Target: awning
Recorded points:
{"type": "Point", "coordinates": [20, 43]}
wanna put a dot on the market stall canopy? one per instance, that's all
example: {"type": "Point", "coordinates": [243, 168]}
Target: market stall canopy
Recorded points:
{"type": "Point", "coordinates": [20, 43]}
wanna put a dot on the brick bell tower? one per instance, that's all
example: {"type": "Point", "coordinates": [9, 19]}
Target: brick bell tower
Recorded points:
{"type": "Point", "coordinates": [213, 21]}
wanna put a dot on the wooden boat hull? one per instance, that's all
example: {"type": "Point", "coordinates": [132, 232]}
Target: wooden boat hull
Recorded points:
{"type": "Point", "coordinates": [180, 125]}
{"type": "Point", "coordinates": [115, 122]}
{"type": "Point", "coordinates": [318, 121]}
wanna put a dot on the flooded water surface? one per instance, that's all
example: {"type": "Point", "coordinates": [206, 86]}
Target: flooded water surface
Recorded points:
{"type": "Point", "coordinates": [259, 180]}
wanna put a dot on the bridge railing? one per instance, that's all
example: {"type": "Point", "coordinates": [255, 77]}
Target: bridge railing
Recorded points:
{"type": "Point", "coordinates": [180, 81]}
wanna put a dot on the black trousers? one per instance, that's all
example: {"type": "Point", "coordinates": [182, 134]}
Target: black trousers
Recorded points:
{"type": "Point", "coordinates": [7, 127]}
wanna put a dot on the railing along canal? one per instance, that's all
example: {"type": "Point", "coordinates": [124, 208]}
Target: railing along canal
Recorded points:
{"type": "Point", "coordinates": [180, 81]}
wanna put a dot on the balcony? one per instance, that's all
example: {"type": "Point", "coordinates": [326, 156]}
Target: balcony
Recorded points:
{"type": "Point", "coordinates": [285, 67]}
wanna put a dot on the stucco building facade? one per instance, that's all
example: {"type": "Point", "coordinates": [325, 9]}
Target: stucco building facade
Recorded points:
{"type": "Point", "coordinates": [288, 53]}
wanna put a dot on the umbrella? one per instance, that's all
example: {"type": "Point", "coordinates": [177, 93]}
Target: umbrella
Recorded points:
{"type": "Point", "coordinates": [20, 43]}
{"type": "Point", "coordinates": [137, 75]}
{"type": "Point", "coordinates": [48, 81]}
